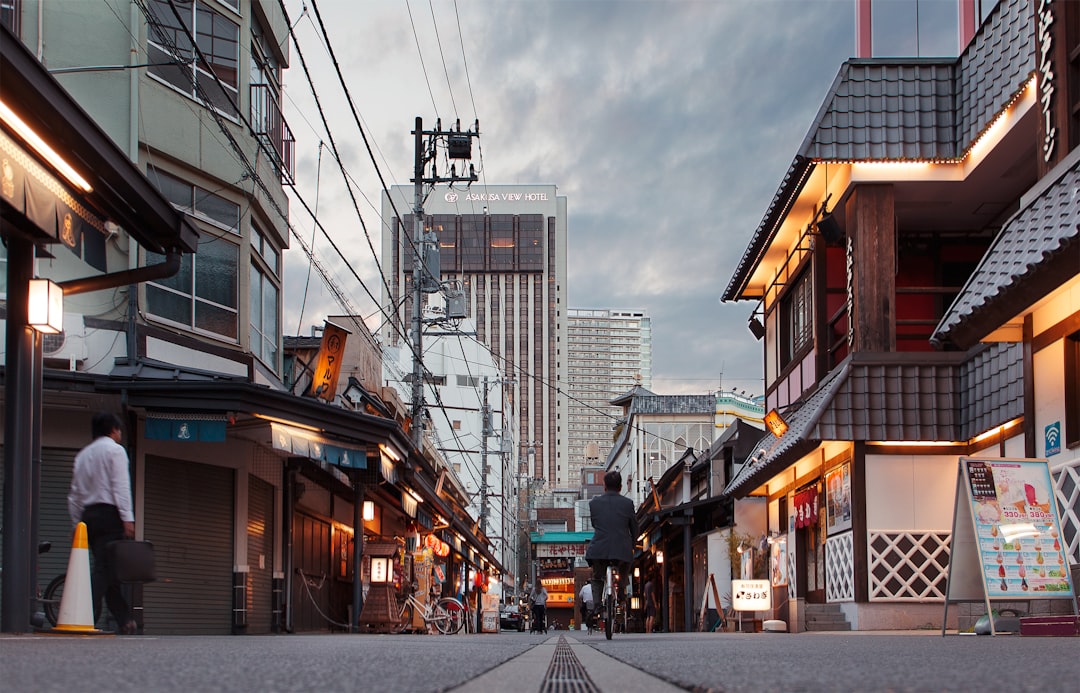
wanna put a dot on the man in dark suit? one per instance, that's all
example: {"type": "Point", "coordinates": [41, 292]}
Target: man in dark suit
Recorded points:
{"type": "Point", "coordinates": [615, 532]}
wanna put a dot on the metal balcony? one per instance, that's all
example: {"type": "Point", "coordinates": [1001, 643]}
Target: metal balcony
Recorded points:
{"type": "Point", "coordinates": [271, 130]}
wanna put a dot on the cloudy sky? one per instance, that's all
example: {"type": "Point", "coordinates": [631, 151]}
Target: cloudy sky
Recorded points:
{"type": "Point", "coordinates": [667, 124]}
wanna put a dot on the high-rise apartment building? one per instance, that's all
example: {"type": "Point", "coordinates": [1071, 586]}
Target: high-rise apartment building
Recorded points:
{"type": "Point", "coordinates": [608, 352]}
{"type": "Point", "coordinates": [504, 246]}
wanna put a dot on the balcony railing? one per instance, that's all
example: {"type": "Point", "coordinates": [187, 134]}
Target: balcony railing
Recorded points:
{"type": "Point", "coordinates": [272, 131]}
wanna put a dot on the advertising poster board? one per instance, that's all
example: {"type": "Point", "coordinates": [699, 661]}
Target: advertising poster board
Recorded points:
{"type": "Point", "coordinates": [838, 499]}
{"type": "Point", "coordinates": [1006, 540]}
{"type": "Point", "coordinates": [779, 567]}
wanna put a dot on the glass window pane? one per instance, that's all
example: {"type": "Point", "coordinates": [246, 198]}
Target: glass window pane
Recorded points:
{"type": "Point", "coordinates": [218, 208]}
{"type": "Point", "coordinates": [256, 299]}
{"type": "Point", "coordinates": [270, 310]}
{"type": "Point", "coordinates": [215, 272]}
{"type": "Point", "coordinates": [168, 305]}
{"type": "Point", "coordinates": [214, 319]}
{"type": "Point", "coordinates": [181, 281]}
{"type": "Point", "coordinates": [894, 29]}
{"type": "Point", "coordinates": [176, 191]}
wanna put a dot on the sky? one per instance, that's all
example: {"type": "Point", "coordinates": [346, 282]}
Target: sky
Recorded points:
{"type": "Point", "coordinates": [668, 125]}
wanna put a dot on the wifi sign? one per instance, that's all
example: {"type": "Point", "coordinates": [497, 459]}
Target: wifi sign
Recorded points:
{"type": "Point", "coordinates": [1053, 438]}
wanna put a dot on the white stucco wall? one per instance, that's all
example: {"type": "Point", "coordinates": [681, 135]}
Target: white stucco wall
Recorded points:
{"type": "Point", "coordinates": [910, 492]}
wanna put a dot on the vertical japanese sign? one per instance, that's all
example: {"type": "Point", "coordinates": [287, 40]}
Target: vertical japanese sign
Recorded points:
{"type": "Point", "coordinates": [328, 364]}
{"type": "Point", "coordinates": [1017, 530]}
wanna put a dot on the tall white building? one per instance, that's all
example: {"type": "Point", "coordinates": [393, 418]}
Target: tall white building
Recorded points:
{"type": "Point", "coordinates": [505, 247]}
{"type": "Point", "coordinates": [608, 352]}
{"type": "Point", "coordinates": [464, 383]}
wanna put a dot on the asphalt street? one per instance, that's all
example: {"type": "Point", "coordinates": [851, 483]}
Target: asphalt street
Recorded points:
{"type": "Point", "coordinates": [570, 662]}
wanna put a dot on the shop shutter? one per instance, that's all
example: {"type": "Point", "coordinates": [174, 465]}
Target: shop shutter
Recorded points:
{"type": "Point", "coordinates": [189, 518]}
{"type": "Point", "coordinates": [260, 535]}
{"type": "Point", "coordinates": [54, 524]}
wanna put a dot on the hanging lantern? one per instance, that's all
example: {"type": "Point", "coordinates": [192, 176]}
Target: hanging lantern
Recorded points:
{"type": "Point", "coordinates": [442, 550]}
{"type": "Point", "coordinates": [432, 542]}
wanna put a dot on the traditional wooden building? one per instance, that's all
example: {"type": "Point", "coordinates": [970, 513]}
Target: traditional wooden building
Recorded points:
{"type": "Point", "coordinates": [910, 171]}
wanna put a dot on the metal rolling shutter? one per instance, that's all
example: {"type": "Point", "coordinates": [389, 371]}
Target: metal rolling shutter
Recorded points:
{"type": "Point", "coordinates": [189, 519]}
{"type": "Point", "coordinates": [260, 534]}
{"type": "Point", "coordinates": [54, 524]}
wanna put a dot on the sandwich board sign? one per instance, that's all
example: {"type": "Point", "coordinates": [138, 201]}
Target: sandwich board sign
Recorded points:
{"type": "Point", "coordinates": [1006, 535]}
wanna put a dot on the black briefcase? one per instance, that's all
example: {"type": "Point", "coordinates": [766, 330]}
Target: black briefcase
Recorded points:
{"type": "Point", "coordinates": [132, 561]}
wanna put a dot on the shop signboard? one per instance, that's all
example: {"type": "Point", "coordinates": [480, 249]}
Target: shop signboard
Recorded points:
{"type": "Point", "coordinates": [560, 550]}
{"type": "Point", "coordinates": [1006, 536]}
{"type": "Point", "coordinates": [751, 595]}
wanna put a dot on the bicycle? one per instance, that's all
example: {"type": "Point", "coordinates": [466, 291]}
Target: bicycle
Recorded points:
{"type": "Point", "coordinates": [447, 614]}
{"type": "Point", "coordinates": [50, 598]}
{"type": "Point", "coordinates": [611, 589]}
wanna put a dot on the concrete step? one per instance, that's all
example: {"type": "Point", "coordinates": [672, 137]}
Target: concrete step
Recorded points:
{"type": "Point", "coordinates": [823, 617]}
{"type": "Point", "coordinates": [819, 626]}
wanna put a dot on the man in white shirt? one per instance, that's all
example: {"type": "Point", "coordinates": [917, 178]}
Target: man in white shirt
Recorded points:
{"type": "Point", "coordinates": [586, 600]}
{"type": "Point", "coordinates": [100, 496]}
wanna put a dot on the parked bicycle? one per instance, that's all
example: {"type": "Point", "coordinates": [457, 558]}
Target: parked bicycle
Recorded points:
{"type": "Point", "coordinates": [447, 615]}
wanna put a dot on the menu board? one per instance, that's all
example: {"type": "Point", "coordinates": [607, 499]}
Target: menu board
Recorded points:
{"type": "Point", "coordinates": [1017, 531]}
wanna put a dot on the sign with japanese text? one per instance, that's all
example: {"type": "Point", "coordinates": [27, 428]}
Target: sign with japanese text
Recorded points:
{"type": "Point", "coordinates": [324, 379]}
{"type": "Point", "coordinates": [805, 507]}
{"type": "Point", "coordinates": [560, 550]}
{"type": "Point", "coordinates": [751, 595]}
{"type": "Point", "coordinates": [1017, 531]}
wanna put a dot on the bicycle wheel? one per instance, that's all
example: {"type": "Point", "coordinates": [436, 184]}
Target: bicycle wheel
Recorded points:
{"type": "Point", "coordinates": [609, 604]}
{"type": "Point", "coordinates": [405, 618]}
{"type": "Point", "coordinates": [50, 600]}
{"type": "Point", "coordinates": [455, 615]}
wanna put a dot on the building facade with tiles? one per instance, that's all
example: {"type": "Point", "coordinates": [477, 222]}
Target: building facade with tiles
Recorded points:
{"type": "Point", "coordinates": [915, 276]}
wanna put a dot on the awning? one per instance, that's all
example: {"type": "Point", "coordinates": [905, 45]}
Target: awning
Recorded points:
{"type": "Point", "coordinates": [869, 396]}
{"type": "Point", "coordinates": [120, 191]}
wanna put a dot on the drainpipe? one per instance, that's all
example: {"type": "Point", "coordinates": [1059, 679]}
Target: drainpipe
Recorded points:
{"type": "Point", "coordinates": [112, 280]}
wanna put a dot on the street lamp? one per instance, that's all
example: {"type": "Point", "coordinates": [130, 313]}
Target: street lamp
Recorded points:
{"type": "Point", "coordinates": [45, 306]}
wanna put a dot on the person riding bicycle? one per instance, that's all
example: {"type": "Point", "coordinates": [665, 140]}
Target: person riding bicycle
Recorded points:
{"type": "Point", "coordinates": [615, 531]}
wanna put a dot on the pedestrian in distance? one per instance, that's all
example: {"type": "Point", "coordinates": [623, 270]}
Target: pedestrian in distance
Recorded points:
{"type": "Point", "coordinates": [100, 496]}
{"type": "Point", "coordinates": [650, 604]}
{"type": "Point", "coordinates": [539, 599]}
{"type": "Point", "coordinates": [615, 531]}
{"type": "Point", "coordinates": [585, 598]}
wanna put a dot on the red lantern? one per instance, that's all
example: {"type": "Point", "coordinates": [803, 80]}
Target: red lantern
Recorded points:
{"type": "Point", "coordinates": [442, 549]}
{"type": "Point", "coordinates": [432, 542]}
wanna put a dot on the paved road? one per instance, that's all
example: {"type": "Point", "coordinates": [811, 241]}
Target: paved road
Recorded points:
{"type": "Point", "coordinates": [567, 662]}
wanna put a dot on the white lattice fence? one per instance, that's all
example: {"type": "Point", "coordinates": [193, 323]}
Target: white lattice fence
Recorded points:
{"type": "Point", "coordinates": [840, 568]}
{"type": "Point", "coordinates": [1067, 489]}
{"type": "Point", "coordinates": [908, 566]}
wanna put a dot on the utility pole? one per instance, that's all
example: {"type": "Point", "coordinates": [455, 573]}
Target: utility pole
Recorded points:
{"type": "Point", "coordinates": [485, 431]}
{"type": "Point", "coordinates": [426, 271]}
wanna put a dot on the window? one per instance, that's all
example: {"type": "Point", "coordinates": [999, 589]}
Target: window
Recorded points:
{"type": "Point", "coordinates": [218, 40]}
{"type": "Point", "coordinates": [264, 317]}
{"type": "Point", "coordinates": [202, 296]}
{"type": "Point", "coordinates": [797, 319]}
{"type": "Point", "coordinates": [200, 202]}
{"type": "Point", "coordinates": [9, 15]}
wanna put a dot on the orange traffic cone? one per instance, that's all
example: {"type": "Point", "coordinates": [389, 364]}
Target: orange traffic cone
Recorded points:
{"type": "Point", "coordinates": [77, 603]}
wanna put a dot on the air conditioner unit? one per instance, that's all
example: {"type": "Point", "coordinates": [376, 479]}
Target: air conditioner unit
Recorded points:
{"type": "Point", "coordinates": [69, 345]}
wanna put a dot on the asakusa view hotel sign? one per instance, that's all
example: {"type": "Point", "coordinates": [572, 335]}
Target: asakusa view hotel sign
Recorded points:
{"type": "Point", "coordinates": [454, 196]}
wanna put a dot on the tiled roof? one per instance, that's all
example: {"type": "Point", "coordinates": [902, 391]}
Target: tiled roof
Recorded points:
{"type": "Point", "coordinates": [991, 388]}
{"type": "Point", "coordinates": [896, 109]}
{"type": "Point", "coordinates": [895, 397]}
{"type": "Point", "coordinates": [995, 64]}
{"type": "Point", "coordinates": [887, 110]}
{"type": "Point", "coordinates": [1044, 234]}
